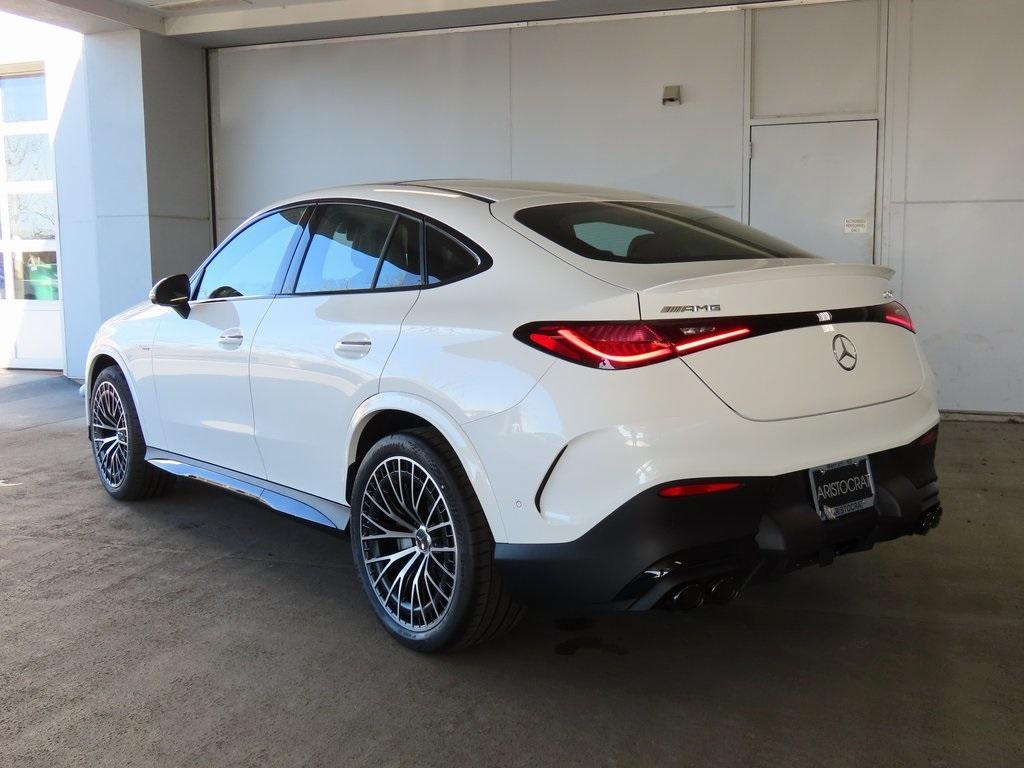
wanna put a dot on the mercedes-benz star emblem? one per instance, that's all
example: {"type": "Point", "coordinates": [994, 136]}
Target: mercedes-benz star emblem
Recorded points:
{"type": "Point", "coordinates": [845, 352]}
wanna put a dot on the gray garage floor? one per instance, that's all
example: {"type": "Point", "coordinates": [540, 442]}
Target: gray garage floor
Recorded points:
{"type": "Point", "coordinates": [201, 629]}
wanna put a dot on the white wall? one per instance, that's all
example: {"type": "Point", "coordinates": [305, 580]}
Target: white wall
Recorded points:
{"type": "Point", "coordinates": [291, 119]}
{"type": "Point", "coordinates": [581, 102]}
{"type": "Point", "coordinates": [586, 105]}
{"type": "Point", "coordinates": [955, 192]}
{"type": "Point", "coordinates": [132, 176]}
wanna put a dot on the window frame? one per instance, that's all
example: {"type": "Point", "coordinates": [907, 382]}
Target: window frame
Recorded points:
{"type": "Point", "coordinates": [196, 279]}
{"type": "Point", "coordinates": [484, 260]}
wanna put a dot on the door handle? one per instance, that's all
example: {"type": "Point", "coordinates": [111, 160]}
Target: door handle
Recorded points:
{"type": "Point", "coordinates": [231, 338]}
{"type": "Point", "coordinates": [353, 345]}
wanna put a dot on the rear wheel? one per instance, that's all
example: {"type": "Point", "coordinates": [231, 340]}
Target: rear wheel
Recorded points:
{"type": "Point", "coordinates": [422, 546]}
{"type": "Point", "coordinates": [118, 446]}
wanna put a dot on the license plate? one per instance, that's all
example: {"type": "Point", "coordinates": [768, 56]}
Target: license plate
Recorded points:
{"type": "Point", "coordinates": [842, 488]}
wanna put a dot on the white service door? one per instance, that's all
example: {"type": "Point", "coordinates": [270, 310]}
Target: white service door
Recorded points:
{"type": "Point", "coordinates": [201, 373]}
{"type": "Point", "coordinates": [813, 184]}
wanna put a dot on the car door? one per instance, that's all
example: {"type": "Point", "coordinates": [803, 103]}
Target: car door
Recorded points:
{"type": "Point", "coordinates": [201, 363]}
{"type": "Point", "coordinates": [321, 348]}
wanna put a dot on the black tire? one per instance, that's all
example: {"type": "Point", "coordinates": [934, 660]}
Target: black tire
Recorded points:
{"type": "Point", "coordinates": [480, 606]}
{"type": "Point", "coordinates": [134, 477]}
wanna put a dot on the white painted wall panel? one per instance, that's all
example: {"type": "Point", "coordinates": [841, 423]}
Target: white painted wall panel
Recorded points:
{"type": "Point", "coordinates": [586, 105]}
{"type": "Point", "coordinates": [815, 59]}
{"type": "Point", "coordinates": [963, 272]}
{"type": "Point", "coordinates": [966, 130]}
{"type": "Point", "coordinates": [291, 119]}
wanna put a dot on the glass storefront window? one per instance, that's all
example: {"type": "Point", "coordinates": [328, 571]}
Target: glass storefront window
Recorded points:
{"type": "Point", "coordinates": [23, 97]}
{"type": "Point", "coordinates": [33, 216]}
{"type": "Point", "coordinates": [35, 276]}
{"type": "Point", "coordinates": [28, 157]}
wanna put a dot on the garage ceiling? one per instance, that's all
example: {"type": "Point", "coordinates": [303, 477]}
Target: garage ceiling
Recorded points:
{"type": "Point", "coordinates": [218, 23]}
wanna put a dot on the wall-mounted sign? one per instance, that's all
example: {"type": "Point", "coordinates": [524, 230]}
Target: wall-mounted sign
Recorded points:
{"type": "Point", "coordinates": [855, 226]}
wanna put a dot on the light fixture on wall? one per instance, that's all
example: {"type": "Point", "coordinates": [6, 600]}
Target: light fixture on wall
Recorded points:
{"type": "Point", "coordinates": [671, 95]}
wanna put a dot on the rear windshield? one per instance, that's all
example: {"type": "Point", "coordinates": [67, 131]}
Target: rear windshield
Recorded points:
{"type": "Point", "coordinates": [651, 233]}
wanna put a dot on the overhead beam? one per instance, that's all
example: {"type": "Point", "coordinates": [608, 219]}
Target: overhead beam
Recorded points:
{"type": "Point", "coordinates": [87, 16]}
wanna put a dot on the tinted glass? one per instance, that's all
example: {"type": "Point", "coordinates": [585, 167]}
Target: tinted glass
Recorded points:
{"type": "Point", "coordinates": [249, 265]}
{"type": "Point", "coordinates": [23, 97]}
{"type": "Point", "coordinates": [447, 259]}
{"type": "Point", "coordinates": [651, 233]}
{"type": "Point", "coordinates": [344, 249]}
{"type": "Point", "coordinates": [400, 266]}
{"type": "Point", "coordinates": [35, 275]}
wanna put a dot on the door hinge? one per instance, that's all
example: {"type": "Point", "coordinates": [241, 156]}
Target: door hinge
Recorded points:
{"type": "Point", "coordinates": [750, 150]}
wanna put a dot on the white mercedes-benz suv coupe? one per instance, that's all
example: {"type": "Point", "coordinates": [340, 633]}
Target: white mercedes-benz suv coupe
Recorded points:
{"type": "Point", "coordinates": [513, 393]}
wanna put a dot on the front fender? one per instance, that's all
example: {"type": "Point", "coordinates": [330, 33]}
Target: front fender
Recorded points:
{"type": "Point", "coordinates": [449, 427]}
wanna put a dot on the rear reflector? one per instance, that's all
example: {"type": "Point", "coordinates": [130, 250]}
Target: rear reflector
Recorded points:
{"type": "Point", "coordinates": [928, 437]}
{"type": "Point", "coordinates": [696, 489]}
{"type": "Point", "coordinates": [617, 345]}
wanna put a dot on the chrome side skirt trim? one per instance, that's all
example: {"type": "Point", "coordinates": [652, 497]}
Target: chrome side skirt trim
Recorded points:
{"type": "Point", "coordinates": [279, 498]}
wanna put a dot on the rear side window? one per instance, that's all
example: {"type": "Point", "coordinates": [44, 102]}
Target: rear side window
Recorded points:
{"type": "Point", "coordinates": [651, 233]}
{"type": "Point", "coordinates": [447, 259]}
{"type": "Point", "coordinates": [400, 267]}
{"type": "Point", "coordinates": [344, 249]}
{"type": "Point", "coordinates": [251, 263]}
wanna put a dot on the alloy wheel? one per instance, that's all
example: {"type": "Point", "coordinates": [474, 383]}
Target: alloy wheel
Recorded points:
{"type": "Point", "coordinates": [409, 547]}
{"type": "Point", "coordinates": [109, 431]}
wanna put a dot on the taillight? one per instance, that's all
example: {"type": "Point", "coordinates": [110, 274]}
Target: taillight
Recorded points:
{"type": "Point", "coordinates": [624, 344]}
{"type": "Point", "coordinates": [897, 314]}
{"type": "Point", "coordinates": [627, 344]}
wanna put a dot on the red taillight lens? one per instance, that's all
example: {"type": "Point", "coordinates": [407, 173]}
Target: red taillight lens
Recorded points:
{"type": "Point", "coordinates": [626, 345]}
{"type": "Point", "coordinates": [697, 489]}
{"type": "Point", "coordinates": [897, 314]}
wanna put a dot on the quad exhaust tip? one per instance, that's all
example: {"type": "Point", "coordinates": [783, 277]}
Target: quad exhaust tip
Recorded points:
{"type": "Point", "coordinates": [687, 598]}
{"type": "Point", "coordinates": [692, 596]}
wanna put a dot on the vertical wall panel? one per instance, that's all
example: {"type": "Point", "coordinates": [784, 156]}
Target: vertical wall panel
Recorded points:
{"type": "Point", "coordinates": [957, 192]}
{"type": "Point", "coordinates": [586, 105]}
{"type": "Point", "coordinates": [296, 118]}
{"type": "Point", "coordinates": [966, 131]}
{"type": "Point", "coordinates": [815, 59]}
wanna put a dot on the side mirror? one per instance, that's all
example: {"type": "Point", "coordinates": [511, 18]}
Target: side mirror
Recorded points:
{"type": "Point", "coordinates": [172, 292]}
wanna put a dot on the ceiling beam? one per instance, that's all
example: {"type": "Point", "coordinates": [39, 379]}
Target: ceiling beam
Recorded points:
{"type": "Point", "coordinates": [87, 16]}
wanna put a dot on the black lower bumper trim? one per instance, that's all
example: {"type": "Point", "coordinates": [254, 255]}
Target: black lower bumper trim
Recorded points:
{"type": "Point", "coordinates": [651, 545]}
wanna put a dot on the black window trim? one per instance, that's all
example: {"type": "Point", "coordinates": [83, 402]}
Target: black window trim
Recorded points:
{"type": "Point", "coordinates": [196, 279]}
{"type": "Point", "coordinates": [484, 260]}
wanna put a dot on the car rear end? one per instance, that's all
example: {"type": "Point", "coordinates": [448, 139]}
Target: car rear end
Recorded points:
{"type": "Point", "coordinates": [764, 410]}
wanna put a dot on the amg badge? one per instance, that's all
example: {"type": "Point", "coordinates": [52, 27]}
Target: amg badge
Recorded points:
{"type": "Point", "coordinates": [693, 308]}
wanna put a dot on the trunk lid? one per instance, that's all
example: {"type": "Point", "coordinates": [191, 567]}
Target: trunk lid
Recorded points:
{"type": "Point", "coordinates": [797, 372]}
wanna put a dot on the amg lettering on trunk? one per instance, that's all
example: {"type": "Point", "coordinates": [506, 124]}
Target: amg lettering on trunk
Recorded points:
{"type": "Point", "coordinates": [693, 308]}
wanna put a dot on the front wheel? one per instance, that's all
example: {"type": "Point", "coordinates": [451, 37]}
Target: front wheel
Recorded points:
{"type": "Point", "coordinates": [118, 446]}
{"type": "Point", "coordinates": [422, 546]}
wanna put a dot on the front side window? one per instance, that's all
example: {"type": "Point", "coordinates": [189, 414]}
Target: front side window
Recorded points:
{"type": "Point", "coordinates": [447, 259]}
{"type": "Point", "coordinates": [344, 249]}
{"type": "Point", "coordinates": [651, 233]}
{"type": "Point", "coordinates": [253, 260]}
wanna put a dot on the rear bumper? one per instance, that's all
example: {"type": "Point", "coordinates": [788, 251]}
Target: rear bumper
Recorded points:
{"type": "Point", "coordinates": [650, 545]}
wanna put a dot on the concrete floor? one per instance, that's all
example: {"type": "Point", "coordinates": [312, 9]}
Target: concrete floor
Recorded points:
{"type": "Point", "coordinates": [202, 629]}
